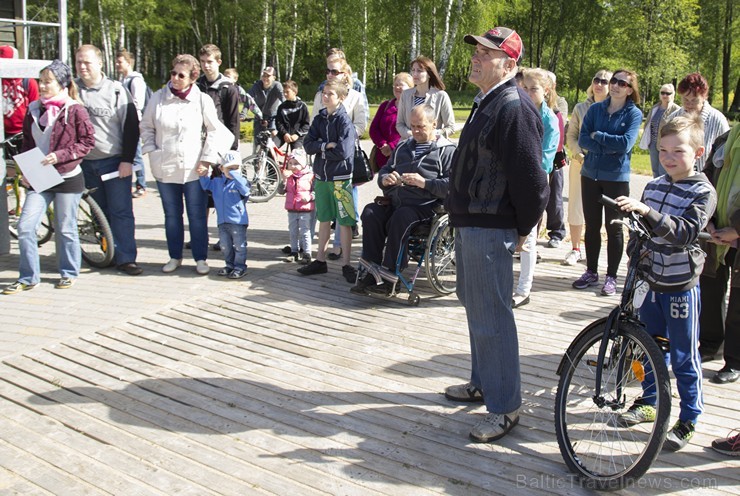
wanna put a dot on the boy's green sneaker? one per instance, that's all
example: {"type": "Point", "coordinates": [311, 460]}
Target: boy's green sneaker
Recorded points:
{"type": "Point", "coordinates": [17, 287]}
{"type": "Point", "coordinates": [679, 436]}
{"type": "Point", "coordinates": [637, 414]}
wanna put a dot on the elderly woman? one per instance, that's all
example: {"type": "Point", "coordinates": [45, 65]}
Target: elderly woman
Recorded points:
{"type": "Point", "coordinates": [171, 133]}
{"type": "Point", "coordinates": [597, 92]}
{"type": "Point", "coordinates": [608, 132]}
{"type": "Point", "coordinates": [658, 116]}
{"type": "Point", "coordinates": [383, 128]}
{"type": "Point", "coordinates": [694, 90]}
{"type": "Point", "coordinates": [430, 91]}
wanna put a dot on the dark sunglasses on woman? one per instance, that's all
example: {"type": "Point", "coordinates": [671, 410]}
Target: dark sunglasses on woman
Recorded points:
{"type": "Point", "coordinates": [620, 82]}
{"type": "Point", "coordinates": [666, 93]}
{"type": "Point", "coordinates": [179, 75]}
{"type": "Point", "coordinates": [602, 82]}
{"type": "Point", "coordinates": [333, 72]}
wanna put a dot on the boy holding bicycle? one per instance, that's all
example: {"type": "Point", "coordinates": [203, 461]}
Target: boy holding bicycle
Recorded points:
{"type": "Point", "coordinates": [675, 208]}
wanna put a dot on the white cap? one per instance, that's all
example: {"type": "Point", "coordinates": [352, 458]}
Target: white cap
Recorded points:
{"type": "Point", "coordinates": [232, 157]}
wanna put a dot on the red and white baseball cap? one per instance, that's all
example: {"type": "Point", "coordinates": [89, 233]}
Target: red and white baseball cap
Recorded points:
{"type": "Point", "coordinates": [504, 39]}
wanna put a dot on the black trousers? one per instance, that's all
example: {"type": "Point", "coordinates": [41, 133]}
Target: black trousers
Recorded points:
{"type": "Point", "coordinates": [385, 230]}
{"type": "Point", "coordinates": [591, 192]}
{"type": "Point", "coordinates": [555, 215]}
{"type": "Point", "coordinates": [720, 321]}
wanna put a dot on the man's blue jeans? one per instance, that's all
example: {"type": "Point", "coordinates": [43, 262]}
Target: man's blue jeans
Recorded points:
{"type": "Point", "coordinates": [196, 201]}
{"type": "Point", "coordinates": [114, 197]}
{"type": "Point", "coordinates": [66, 234]}
{"type": "Point", "coordinates": [485, 281]}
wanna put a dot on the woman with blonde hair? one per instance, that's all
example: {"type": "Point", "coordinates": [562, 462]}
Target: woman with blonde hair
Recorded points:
{"type": "Point", "coordinates": [658, 115]}
{"type": "Point", "coordinates": [383, 128]}
{"type": "Point", "coordinates": [428, 90]}
{"type": "Point", "coordinates": [597, 91]}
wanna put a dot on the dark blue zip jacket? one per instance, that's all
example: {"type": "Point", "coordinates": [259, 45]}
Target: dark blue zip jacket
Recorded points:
{"type": "Point", "coordinates": [334, 164]}
{"type": "Point", "coordinates": [609, 151]}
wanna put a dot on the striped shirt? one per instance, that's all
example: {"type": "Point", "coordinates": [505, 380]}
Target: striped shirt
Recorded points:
{"type": "Point", "coordinates": [679, 212]}
{"type": "Point", "coordinates": [715, 125]}
{"type": "Point", "coordinates": [418, 100]}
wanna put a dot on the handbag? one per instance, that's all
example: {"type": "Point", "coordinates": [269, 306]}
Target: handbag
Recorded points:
{"type": "Point", "coordinates": [361, 172]}
{"type": "Point", "coordinates": [374, 160]}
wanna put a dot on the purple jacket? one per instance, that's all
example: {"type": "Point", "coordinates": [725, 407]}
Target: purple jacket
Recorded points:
{"type": "Point", "coordinates": [72, 136]}
{"type": "Point", "coordinates": [383, 129]}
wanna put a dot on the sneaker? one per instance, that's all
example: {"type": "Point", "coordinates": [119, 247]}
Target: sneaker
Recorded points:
{"type": "Point", "coordinates": [237, 274]}
{"type": "Point", "coordinates": [17, 287]}
{"type": "Point", "coordinates": [139, 193]}
{"type": "Point", "coordinates": [386, 288]}
{"type": "Point", "coordinates": [553, 243]}
{"type": "Point", "coordinates": [314, 267]}
{"type": "Point", "coordinates": [349, 273]}
{"type": "Point", "coordinates": [494, 426]}
{"type": "Point", "coordinates": [130, 268]}
{"type": "Point", "coordinates": [638, 413]}
{"type": "Point", "coordinates": [587, 279]}
{"type": "Point", "coordinates": [293, 257]}
{"type": "Point", "coordinates": [725, 375]}
{"type": "Point", "coordinates": [519, 300]}
{"type": "Point", "coordinates": [172, 265]}
{"type": "Point", "coordinates": [216, 246]}
{"type": "Point", "coordinates": [573, 257]}
{"type": "Point", "coordinates": [363, 284]}
{"type": "Point", "coordinates": [729, 446]}
{"type": "Point", "coordinates": [465, 393]}
{"type": "Point", "coordinates": [355, 232]}
{"type": "Point", "coordinates": [306, 259]}
{"type": "Point", "coordinates": [334, 256]}
{"type": "Point", "coordinates": [201, 267]}
{"type": "Point", "coordinates": [287, 250]}
{"type": "Point", "coordinates": [610, 286]}
{"type": "Point", "coordinates": [223, 272]}
{"type": "Point", "coordinates": [679, 436]}
{"type": "Point", "coordinates": [64, 283]}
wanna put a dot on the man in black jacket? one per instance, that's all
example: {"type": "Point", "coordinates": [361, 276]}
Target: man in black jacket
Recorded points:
{"type": "Point", "coordinates": [268, 94]}
{"type": "Point", "coordinates": [498, 191]}
{"type": "Point", "coordinates": [221, 89]}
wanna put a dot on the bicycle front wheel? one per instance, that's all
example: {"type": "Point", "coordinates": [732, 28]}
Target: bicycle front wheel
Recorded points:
{"type": "Point", "coordinates": [591, 442]}
{"type": "Point", "coordinates": [96, 237]}
{"type": "Point", "coordinates": [263, 175]}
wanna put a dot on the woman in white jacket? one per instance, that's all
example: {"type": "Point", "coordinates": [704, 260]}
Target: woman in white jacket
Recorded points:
{"type": "Point", "coordinates": [428, 90]}
{"type": "Point", "coordinates": [172, 129]}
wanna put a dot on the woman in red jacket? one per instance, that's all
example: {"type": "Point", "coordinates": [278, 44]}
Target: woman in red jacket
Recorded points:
{"type": "Point", "coordinates": [60, 127]}
{"type": "Point", "coordinates": [383, 128]}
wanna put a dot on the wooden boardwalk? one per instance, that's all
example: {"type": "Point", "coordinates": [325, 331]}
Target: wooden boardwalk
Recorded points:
{"type": "Point", "coordinates": [290, 385]}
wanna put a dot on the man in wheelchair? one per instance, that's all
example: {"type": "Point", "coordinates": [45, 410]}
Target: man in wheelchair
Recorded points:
{"type": "Point", "coordinates": [414, 182]}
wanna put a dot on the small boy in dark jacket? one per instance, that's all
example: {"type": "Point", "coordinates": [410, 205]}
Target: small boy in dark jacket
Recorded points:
{"type": "Point", "coordinates": [230, 193]}
{"type": "Point", "coordinates": [292, 120]}
{"type": "Point", "coordinates": [332, 139]}
{"type": "Point", "coordinates": [676, 207]}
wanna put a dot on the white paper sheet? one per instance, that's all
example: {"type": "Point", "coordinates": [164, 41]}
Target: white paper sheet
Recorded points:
{"type": "Point", "coordinates": [40, 177]}
{"type": "Point", "coordinates": [115, 173]}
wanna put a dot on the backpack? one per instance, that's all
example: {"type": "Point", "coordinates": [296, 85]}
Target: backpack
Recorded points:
{"type": "Point", "coordinates": [148, 93]}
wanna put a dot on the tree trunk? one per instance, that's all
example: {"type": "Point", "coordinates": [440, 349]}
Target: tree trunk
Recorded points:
{"type": "Point", "coordinates": [105, 36]}
{"type": "Point", "coordinates": [264, 35]}
{"type": "Point", "coordinates": [363, 77]}
{"type": "Point", "coordinates": [449, 36]}
{"type": "Point", "coordinates": [79, 31]}
{"type": "Point", "coordinates": [735, 107]}
{"type": "Point", "coordinates": [291, 60]}
{"type": "Point", "coordinates": [413, 43]}
{"type": "Point", "coordinates": [727, 56]}
{"type": "Point", "coordinates": [327, 21]}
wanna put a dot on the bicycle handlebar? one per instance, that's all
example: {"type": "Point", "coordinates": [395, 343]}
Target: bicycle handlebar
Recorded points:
{"type": "Point", "coordinates": [609, 202]}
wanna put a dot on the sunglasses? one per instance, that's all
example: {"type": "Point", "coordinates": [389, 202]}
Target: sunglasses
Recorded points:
{"type": "Point", "coordinates": [620, 82]}
{"type": "Point", "coordinates": [666, 93]}
{"type": "Point", "coordinates": [333, 72]}
{"type": "Point", "coordinates": [602, 82]}
{"type": "Point", "coordinates": [179, 75]}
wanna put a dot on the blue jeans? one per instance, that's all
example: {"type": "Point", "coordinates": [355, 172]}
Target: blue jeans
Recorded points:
{"type": "Point", "coordinates": [233, 240]}
{"type": "Point", "coordinates": [66, 234]}
{"type": "Point", "coordinates": [196, 201]}
{"type": "Point", "coordinates": [658, 169]}
{"type": "Point", "coordinates": [140, 175]}
{"type": "Point", "coordinates": [299, 226]}
{"type": "Point", "coordinates": [114, 197]}
{"type": "Point", "coordinates": [485, 280]}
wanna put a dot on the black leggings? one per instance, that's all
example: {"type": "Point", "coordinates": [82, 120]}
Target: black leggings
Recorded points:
{"type": "Point", "coordinates": [591, 192]}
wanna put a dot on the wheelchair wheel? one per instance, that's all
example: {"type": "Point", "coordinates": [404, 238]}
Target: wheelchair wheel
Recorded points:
{"type": "Point", "coordinates": [594, 446]}
{"type": "Point", "coordinates": [440, 257]}
{"type": "Point", "coordinates": [96, 237]}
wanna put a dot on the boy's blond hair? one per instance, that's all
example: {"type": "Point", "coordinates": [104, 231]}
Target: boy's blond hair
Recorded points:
{"type": "Point", "coordinates": [341, 88]}
{"type": "Point", "coordinates": [691, 124]}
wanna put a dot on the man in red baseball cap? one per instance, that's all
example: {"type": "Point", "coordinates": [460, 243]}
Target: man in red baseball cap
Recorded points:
{"type": "Point", "coordinates": [498, 191]}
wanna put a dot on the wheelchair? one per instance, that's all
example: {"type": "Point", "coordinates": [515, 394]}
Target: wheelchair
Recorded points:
{"type": "Point", "coordinates": [431, 245]}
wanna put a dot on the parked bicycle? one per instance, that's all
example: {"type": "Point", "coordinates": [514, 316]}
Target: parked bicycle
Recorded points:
{"type": "Point", "coordinates": [601, 376]}
{"type": "Point", "coordinates": [96, 237]}
{"type": "Point", "coordinates": [262, 171]}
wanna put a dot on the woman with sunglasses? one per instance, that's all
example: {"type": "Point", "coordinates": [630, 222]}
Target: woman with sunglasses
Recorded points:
{"type": "Point", "coordinates": [172, 134]}
{"type": "Point", "coordinates": [597, 91]}
{"type": "Point", "coordinates": [608, 133]}
{"type": "Point", "coordinates": [658, 115]}
{"type": "Point", "coordinates": [428, 90]}
{"type": "Point", "coordinates": [694, 90]}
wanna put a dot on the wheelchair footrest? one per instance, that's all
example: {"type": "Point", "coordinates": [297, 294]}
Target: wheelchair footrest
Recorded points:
{"type": "Point", "coordinates": [379, 272]}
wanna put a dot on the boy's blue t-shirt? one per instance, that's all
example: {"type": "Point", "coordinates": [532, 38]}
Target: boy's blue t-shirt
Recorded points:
{"type": "Point", "coordinates": [229, 197]}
